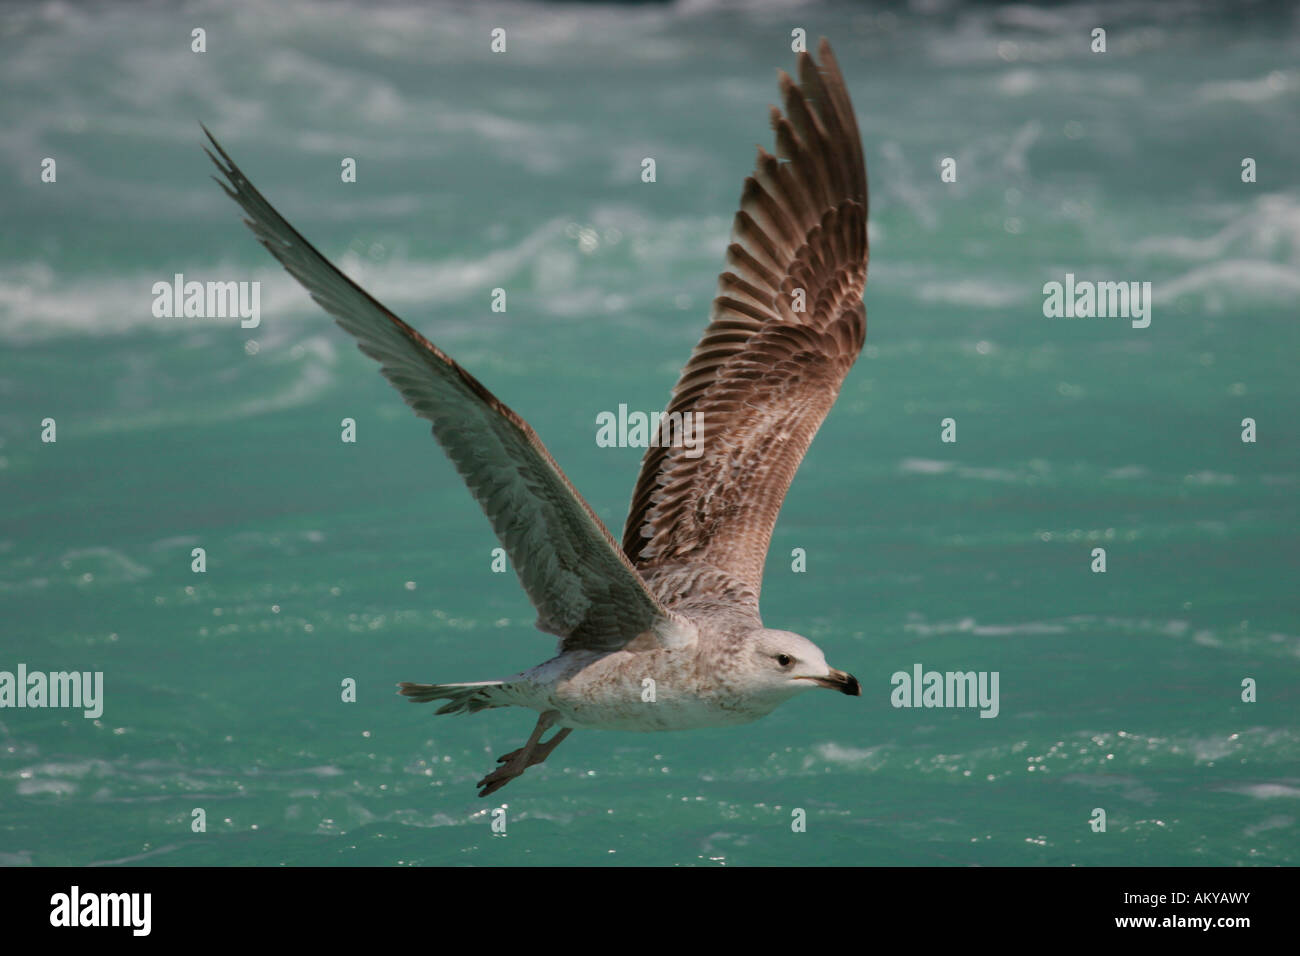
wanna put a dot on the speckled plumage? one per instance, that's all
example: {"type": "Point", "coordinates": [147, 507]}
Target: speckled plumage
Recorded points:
{"type": "Point", "coordinates": [663, 633]}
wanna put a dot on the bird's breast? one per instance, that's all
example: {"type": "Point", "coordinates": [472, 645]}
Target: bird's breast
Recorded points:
{"type": "Point", "coordinates": [644, 692]}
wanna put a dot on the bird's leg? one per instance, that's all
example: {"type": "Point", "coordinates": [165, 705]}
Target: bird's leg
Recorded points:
{"type": "Point", "coordinates": [541, 751]}
{"type": "Point", "coordinates": [530, 754]}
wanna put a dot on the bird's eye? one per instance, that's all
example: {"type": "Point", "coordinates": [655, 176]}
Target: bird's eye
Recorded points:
{"type": "Point", "coordinates": [784, 660]}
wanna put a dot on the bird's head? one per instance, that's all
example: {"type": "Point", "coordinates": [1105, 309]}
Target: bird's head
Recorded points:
{"type": "Point", "coordinates": [789, 663]}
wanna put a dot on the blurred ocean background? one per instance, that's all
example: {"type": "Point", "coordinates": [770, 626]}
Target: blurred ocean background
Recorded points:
{"type": "Point", "coordinates": [521, 170]}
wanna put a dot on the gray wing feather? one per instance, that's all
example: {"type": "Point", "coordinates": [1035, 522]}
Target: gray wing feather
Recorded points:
{"type": "Point", "coordinates": [584, 588]}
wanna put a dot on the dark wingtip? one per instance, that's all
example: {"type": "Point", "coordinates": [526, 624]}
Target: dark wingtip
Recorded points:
{"type": "Point", "coordinates": [220, 152]}
{"type": "Point", "coordinates": [211, 139]}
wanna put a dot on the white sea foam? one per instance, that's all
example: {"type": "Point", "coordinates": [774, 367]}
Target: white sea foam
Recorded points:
{"type": "Point", "coordinates": [837, 753]}
{"type": "Point", "coordinates": [1267, 791]}
{"type": "Point", "coordinates": [1261, 89]}
{"type": "Point", "coordinates": [975, 293]}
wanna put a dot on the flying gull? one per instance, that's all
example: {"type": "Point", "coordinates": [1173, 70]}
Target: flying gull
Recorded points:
{"type": "Point", "coordinates": [675, 609]}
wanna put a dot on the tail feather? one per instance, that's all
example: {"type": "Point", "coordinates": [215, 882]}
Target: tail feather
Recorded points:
{"type": "Point", "coordinates": [469, 697]}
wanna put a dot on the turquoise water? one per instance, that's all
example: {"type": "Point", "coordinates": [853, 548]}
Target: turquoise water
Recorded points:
{"type": "Point", "coordinates": [370, 561]}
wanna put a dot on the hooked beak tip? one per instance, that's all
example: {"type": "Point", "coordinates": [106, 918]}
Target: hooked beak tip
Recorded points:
{"type": "Point", "coordinates": [839, 680]}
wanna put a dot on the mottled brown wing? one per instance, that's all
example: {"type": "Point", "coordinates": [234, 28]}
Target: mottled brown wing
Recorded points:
{"type": "Point", "coordinates": [582, 585]}
{"type": "Point", "coordinates": [765, 373]}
